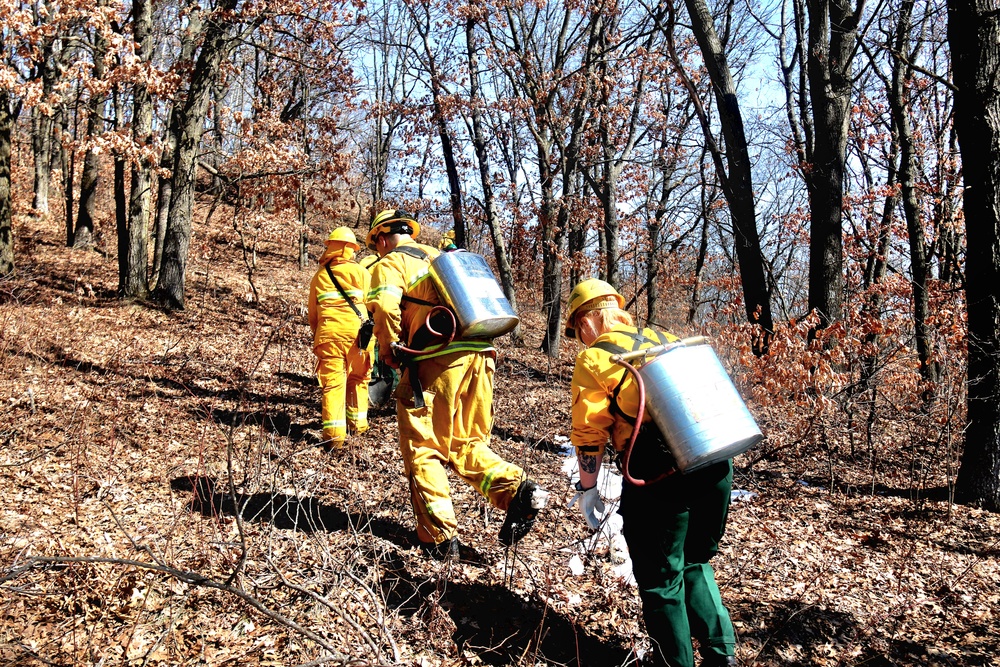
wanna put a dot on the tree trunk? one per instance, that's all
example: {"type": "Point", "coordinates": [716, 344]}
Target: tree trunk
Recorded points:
{"type": "Point", "coordinates": [164, 187]}
{"type": "Point", "coordinates": [832, 40]}
{"type": "Point", "coordinates": [974, 35]}
{"type": "Point", "coordinates": [67, 157]}
{"type": "Point", "coordinates": [83, 234]}
{"type": "Point", "coordinates": [738, 182]}
{"type": "Point", "coordinates": [8, 115]}
{"type": "Point", "coordinates": [555, 236]}
{"type": "Point", "coordinates": [899, 105]}
{"type": "Point", "coordinates": [41, 122]}
{"type": "Point", "coordinates": [170, 284]}
{"type": "Point", "coordinates": [486, 182]}
{"type": "Point", "coordinates": [121, 220]}
{"type": "Point", "coordinates": [136, 282]}
{"type": "Point", "coordinates": [41, 148]}
{"type": "Point", "coordinates": [552, 246]}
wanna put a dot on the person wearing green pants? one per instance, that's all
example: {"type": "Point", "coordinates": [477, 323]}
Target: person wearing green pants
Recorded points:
{"type": "Point", "coordinates": [672, 530]}
{"type": "Point", "coordinates": [672, 527]}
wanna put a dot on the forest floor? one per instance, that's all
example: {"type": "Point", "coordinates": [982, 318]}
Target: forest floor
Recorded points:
{"type": "Point", "coordinates": [121, 543]}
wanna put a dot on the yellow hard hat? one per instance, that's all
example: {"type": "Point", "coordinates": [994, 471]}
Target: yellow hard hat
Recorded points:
{"type": "Point", "coordinates": [447, 241]}
{"type": "Point", "coordinates": [344, 235]}
{"type": "Point", "coordinates": [387, 220]}
{"type": "Point", "coordinates": [592, 294]}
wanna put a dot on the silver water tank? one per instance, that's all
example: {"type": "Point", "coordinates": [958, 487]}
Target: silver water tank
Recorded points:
{"type": "Point", "coordinates": [466, 283]}
{"type": "Point", "coordinates": [697, 408]}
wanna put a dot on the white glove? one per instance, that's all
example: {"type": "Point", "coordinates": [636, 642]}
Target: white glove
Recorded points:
{"type": "Point", "coordinates": [590, 504]}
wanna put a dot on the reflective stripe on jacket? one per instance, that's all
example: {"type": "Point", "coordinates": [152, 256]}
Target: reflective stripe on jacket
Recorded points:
{"type": "Point", "coordinates": [398, 274]}
{"type": "Point", "coordinates": [330, 316]}
{"type": "Point", "coordinates": [595, 381]}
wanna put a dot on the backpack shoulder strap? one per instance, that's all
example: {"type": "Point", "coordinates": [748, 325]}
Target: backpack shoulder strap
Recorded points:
{"type": "Point", "coordinates": [344, 294]}
{"type": "Point", "coordinates": [411, 251]}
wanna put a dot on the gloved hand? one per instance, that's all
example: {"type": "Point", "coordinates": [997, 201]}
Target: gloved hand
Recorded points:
{"type": "Point", "coordinates": [391, 360]}
{"type": "Point", "coordinates": [590, 504]}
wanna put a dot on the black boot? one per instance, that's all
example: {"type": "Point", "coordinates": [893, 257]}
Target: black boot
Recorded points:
{"type": "Point", "coordinates": [716, 660]}
{"type": "Point", "coordinates": [521, 513]}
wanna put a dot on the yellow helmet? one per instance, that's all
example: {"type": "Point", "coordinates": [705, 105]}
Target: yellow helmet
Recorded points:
{"type": "Point", "coordinates": [344, 235]}
{"type": "Point", "coordinates": [447, 241]}
{"type": "Point", "coordinates": [592, 294]}
{"type": "Point", "coordinates": [390, 221]}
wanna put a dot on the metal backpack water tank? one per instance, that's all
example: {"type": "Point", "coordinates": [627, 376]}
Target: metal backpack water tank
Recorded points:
{"type": "Point", "coordinates": [464, 280]}
{"type": "Point", "coordinates": [697, 408]}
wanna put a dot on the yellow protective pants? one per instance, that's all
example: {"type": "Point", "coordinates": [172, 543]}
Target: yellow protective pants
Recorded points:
{"type": "Point", "coordinates": [343, 374]}
{"type": "Point", "coordinates": [452, 431]}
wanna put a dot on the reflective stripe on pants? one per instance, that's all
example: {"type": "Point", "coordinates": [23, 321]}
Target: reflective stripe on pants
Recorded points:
{"type": "Point", "coordinates": [451, 431]}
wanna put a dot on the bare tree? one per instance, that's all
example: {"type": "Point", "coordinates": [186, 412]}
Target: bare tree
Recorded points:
{"type": "Point", "coordinates": [974, 35]}
{"type": "Point", "coordinates": [479, 143]}
{"type": "Point", "coordinates": [83, 233]}
{"type": "Point", "coordinates": [218, 41]}
{"type": "Point", "coordinates": [735, 175]}
{"type": "Point", "coordinates": [135, 281]}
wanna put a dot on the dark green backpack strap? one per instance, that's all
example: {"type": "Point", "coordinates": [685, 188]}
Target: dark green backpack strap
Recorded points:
{"type": "Point", "coordinates": [411, 251]}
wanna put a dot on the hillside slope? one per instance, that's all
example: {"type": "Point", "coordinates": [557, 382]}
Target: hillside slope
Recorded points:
{"type": "Point", "coordinates": [121, 543]}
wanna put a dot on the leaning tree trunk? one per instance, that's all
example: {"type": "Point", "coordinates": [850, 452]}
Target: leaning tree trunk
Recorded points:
{"type": "Point", "coordinates": [170, 284]}
{"type": "Point", "coordinates": [482, 156]}
{"type": "Point", "coordinates": [974, 35]}
{"type": "Point", "coordinates": [737, 182]}
{"type": "Point", "coordinates": [919, 264]}
{"type": "Point", "coordinates": [8, 114]}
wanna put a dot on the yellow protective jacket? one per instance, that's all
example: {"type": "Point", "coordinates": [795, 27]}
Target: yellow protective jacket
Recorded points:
{"type": "Point", "coordinates": [330, 316]}
{"type": "Point", "coordinates": [401, 296]}
{"type": "Point", "coordinates": [596, 379]}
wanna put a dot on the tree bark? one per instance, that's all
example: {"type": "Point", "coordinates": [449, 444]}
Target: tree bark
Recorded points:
{"type": "Point", "coordinates": [218, 38]}
{"type": "Point", "coordinates": [164, 188]}
{"type": "Point", "coordinates": [135, 284]}
{"type": "Point", "coordinates": [919, 264]}
{"type": "Point", "coordinates": [974, 35]}
{"type": "Point", "coordinates": [41, 148]}
{"type": "Point", "coordinates": [486, 182]}
{"type": "Point", "coordinates": [9, 111]}
{"type": "Point", "coordinates": [67, 157]}
{"type": "Point", "coordinates": [737, 182]}
{"type": "Point", "coordinates": [42, 122]}
{"type": "Point", "coordinates": [833, 38]}
{"type": "Point", "coordinates": [83, 234]}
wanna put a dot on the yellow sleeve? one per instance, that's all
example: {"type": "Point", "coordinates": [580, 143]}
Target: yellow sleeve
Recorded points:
{"type": "Point", "coordinates": [314, 303]}
{"type": "Point", "coordinates": [384, 297]}
{"type": "Point", "coordinates": [591, 411]}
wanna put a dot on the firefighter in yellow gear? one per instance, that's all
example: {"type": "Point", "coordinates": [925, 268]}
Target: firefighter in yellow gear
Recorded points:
{"type": "Point", "coordinates": [444, 401]}
{"type": "Point", "coordinates": [672, 527]}
{"type": "Point", "coordinates": [383, 378]}
{"type": "Point", "coordinates": [343, 366]}
{"type": "Point", "coordinates": [447, 242]}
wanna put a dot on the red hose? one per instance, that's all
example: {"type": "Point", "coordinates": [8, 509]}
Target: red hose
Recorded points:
{"type": "Point", "coordinates": [427, 323]}
{"type": "Point", "coordinates": [639, 414]}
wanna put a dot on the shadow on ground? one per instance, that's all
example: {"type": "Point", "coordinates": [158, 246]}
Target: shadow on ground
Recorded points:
{"type": "Point", "coordinates": [307, 515]}
{"type": "Point", "coordinates": [503, 629]}
{"type": "Point", "coordinates": [492, 623]}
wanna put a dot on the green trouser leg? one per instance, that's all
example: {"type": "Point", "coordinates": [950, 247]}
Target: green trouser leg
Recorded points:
{"type": "Point", "coordinates": [673, 529]}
